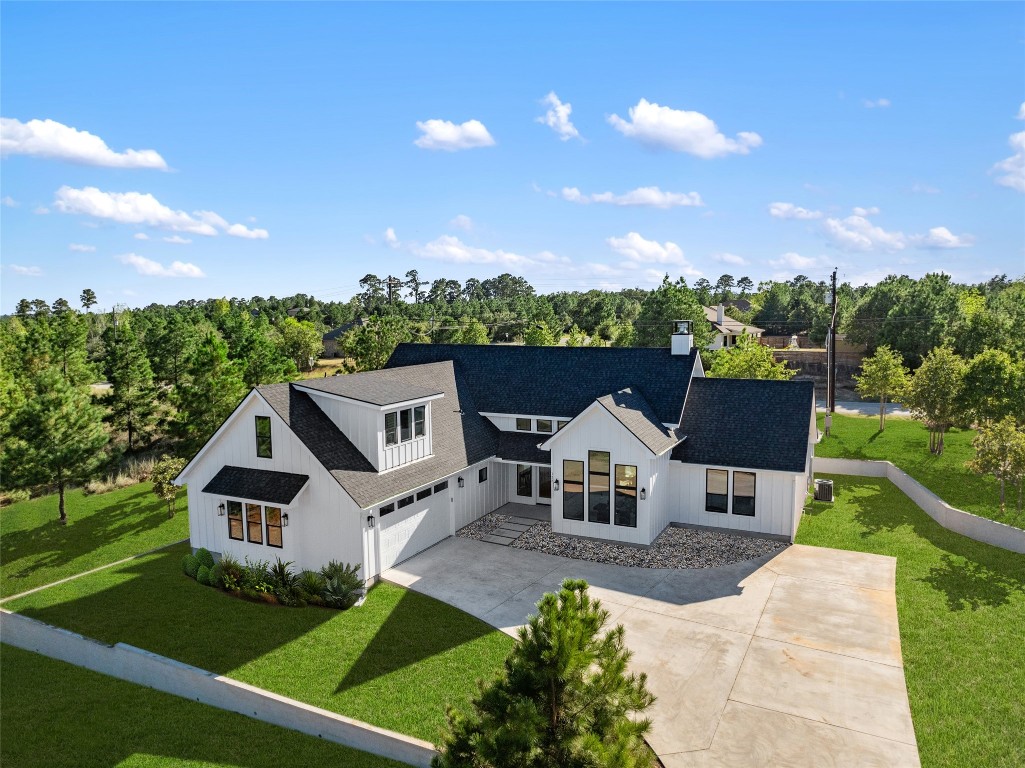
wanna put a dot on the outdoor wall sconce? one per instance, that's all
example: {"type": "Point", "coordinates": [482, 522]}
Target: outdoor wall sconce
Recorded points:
{"type": "Point", "coordinates": [220, 509]}
{"type": "Point", "coordinates": [644, 494]}
{"type": "Point", "coordinates": [370, 521]}
{"type": "Point", "coordinates": [284, 520]}
{"type": "Point", "coordinates": [555, 484]}
{"type": "Point", "coordinates": [461, 482]}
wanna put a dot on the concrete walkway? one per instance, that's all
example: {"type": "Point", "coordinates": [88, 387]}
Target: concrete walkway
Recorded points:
{"type": "Point", "coordinates": [791, 659]}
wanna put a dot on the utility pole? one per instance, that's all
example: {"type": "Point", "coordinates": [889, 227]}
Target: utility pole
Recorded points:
{"type": "Point", "coordinates": [393, 283]}
{"type": "Point", "coordinates": [832, 352]}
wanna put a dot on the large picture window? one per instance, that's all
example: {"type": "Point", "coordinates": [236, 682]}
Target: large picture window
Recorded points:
{"type": "Point", "coordinates": [573, 490]}
{"type": "Point", "coordinates": [716, 490]}
{"type": "Point", "coordinates": [235, 520]}
{"type": "Point", "coordinates": [626, 495]}
{"type": "Point", "coordinates": [598, 486]}
{"type": "Point", "coordinates": [263, 445]}
{"type": "Point", "coordinates": [254, 523]}
{"type": "Point", "coordinates": [744, 493]}
{"type": "Point", "coordinates": [273, 515]}
{"type": "Point", "coordinates": [391, 428]}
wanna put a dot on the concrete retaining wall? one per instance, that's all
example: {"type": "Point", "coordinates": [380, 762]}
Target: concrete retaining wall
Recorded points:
{"type": "Point", "coordinates": [144, 668]}
{"type": "Point", "coordinates": [959, 521]}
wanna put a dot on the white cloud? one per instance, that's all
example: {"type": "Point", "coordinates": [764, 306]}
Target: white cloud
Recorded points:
{"type": "Point", "coordinates": [391, 238]}
{"type": "Point", "coordinates": [856, 233]}
{"type": "Point", "coordinates": [452, 249]}
{"type": "Point", "coordinates": [639, 250]}
{"type": "Point", "coordinates": [40, 210]}
{"type": "Point", "coordinates": [141, 236]}
{"type": "Point", "coordinates": [793, 260]}
{"type": "Point", "coordinates": [942, 238]}
{"type": "Point", "coordinates": [177, 240]}
{"type": "Point", "coordinates": [924, 189]}
{"type": "Point", "coordinates": [152, 268]}
{"type": "Point", "coordinates": [858, 211]}
{"type": "Point", "coordinates": [449, 137]}
{"type": "Point", "coordinates": [140, 208]}
{"type": "Point", "coordinates": [50, 139]}
{"type": "Point", "coordinates": [875, 103]}
{"type": "Point", "coordinates": [1011, 170]}
{"type": "Point", "coordinates": [462, 222]}
{"type": "Point", "coordinates": [651, 197]}
{"type": "Point", "coordinates": [10, 202]}
{"type": "Point", "coordinates": [1021, 111]}
{"type": "Point", "coordinates": [26, 271]}
{"type": "Point", "coordinates": [730, 258]}
{"type": "Point", "coordinates": [791, 211]}
{"type": "Point", "coordinates": [681, 131]}
{"type": "Point", "coordinates": [81, 248]}
{"type": "Point", "coordinates": [557, 117]}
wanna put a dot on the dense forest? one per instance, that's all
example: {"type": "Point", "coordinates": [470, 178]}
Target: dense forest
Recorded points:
{"type": "Point", "coordinates": [171, 374]}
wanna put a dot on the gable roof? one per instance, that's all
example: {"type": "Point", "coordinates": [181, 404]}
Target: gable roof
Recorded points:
{"type": "Point", "coordinates": [257, 484]}
{"type": "Point", "coordinates": [460, 437]}
{"type": "Point", "coordinates": [751, 423]}
{"type": "Point", "coordinates": [559, 381]}
{"type": "Point", "coordinates": [729, 325]}
{"type": "Point", "coordinates": [335, 333]}
{"type": "Point", "coordinates": [633, 412]}
{"type": "Point", "coordinates": [373, 387]}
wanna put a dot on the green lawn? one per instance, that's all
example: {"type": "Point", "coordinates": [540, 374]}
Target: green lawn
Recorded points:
{"type": "Point", "coordinates": [35, 549]}
{"type": "Point", "coordinates": [962, 621]}
{"type": "Point", "coordinates": [56, 715]}
{"type": "Point", "coordinates": [906, 443]}
{"type": "Point", "coordinates": [395, 661]}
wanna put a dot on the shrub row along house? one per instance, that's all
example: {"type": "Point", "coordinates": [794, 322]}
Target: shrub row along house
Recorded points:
{"type": "Point", "coordinates": [618, 443]}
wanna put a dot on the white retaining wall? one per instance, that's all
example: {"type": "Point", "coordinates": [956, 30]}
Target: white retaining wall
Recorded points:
{"type": "Point", "coordinates": [144, 668]}
{"type": "Point", "coordinates": [959, 521]}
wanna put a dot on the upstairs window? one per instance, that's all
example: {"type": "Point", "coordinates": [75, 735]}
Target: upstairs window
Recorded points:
{"type": "Point", "coordinates": [402, 426]}
{"type": "Point", "coordinates": [744, 493]}
{"type": "Point", "coordinates": [716, 490]}
{"type": "Point", "coordinates": [544, 425]}
{"type": "Point", "coordinates": [263, 445]}
{"type": "Point", "coordinates": [563, 423]}
{"type": "Point", "coordinates": [391, 428]}
{"type": "Point", "coordinates": [419, 421]}
{"type": "Point", "coordinates": [523, 425]}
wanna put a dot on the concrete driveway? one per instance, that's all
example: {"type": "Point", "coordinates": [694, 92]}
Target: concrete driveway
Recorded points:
{"type": "Point", "coordinates": [788, 660]}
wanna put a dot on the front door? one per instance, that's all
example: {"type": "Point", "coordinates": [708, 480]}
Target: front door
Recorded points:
{"type": "Point", "coordinates": [525, 482]}
{"type": "Point", "coordinates": [544, 485]}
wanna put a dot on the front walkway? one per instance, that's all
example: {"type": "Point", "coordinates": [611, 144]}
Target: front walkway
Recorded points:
{"type": "Point", "coordinates": [790, 659]}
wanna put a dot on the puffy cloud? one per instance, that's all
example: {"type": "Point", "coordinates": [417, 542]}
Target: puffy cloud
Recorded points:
{"type": "Point", "coordinates": [681, 131]}
{"type": "Point", "coordinates": [793, 260]}
{"type": "Point", "coordinates": [26, 271]}
{"type": "Point", "coordinates": [1021, 111]}
{"type": "Point", "coordinates": [50, 139]}
{"type": "Point", "coordinates": [9, 201]}
{"type": "Point", "coordinates": [452, 249]}
{"type": "Point", "coordinates": [391, 238]}
{"type": "Point", "coordinates": [449, 137]}
{"type": "Point", "coordinates": [942, 238]}
{"type": "Point", "coordinates": [791, 211]}
{"type": "Point", "coordinates": [141, 236]}
{"type": "Point", "coordinates": [856, 233]}
{"type": "Point", "coordinates": [1011, 170]}
{"type": "Point", "coordinates": [651, 197]}
{"type": "Point", "coordinates": [557, 117]}
{"type": "Point", "coordinates": [639, 250]}
{"type": "Point", "coordinates": [177, 240]}
{"type": "Point", "coordinates": [858, 211]}
{"type": "Point", "coordinates": [462, 222]}
{"type": "Point", "coordinates": [81, 248]}
{"type": "Point", "coordinates": [140, 208]}
{"type": "Point", "coordinates": [730, 258]}
{"type": "Point", "coordinates": [152, 268]}
{"type": "Point", "coordinates": [875, 103]}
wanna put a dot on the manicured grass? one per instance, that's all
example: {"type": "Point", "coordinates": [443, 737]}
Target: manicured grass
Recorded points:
{"type": "Point", "coordinates": [396, 661]}
{"type": "Point", "coordinates": [56, 715]}
{"type": "Point", "coordinates": [35, 549]}
{"type": "Point", "coordinates": [906, 443]}
{"type": "Point", "coordinates": [962, 621]}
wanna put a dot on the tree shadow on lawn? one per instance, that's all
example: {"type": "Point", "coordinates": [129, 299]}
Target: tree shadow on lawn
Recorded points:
{"type": "Point", "coordinates": [969, 573]}
{"type": "Point", "coordinates": [52, 545]}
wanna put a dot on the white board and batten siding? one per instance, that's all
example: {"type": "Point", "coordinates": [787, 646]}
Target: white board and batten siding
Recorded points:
{"type": "Point", "coordinates": [777, 502]}
{"type": "Point", "coordinates": [324, 523]}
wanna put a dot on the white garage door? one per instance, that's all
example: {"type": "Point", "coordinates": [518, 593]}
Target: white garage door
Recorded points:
{"type": "Point", "coordinates": [412, 529]}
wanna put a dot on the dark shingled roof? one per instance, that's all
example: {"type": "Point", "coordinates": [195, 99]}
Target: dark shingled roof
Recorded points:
{"type": "Point", "coordinates": [749, 423]}
{"type": "Point", "coordinates": [522, 446]}
{"type": "Point", "coordinates": [460, 437]}
{"type": "Point", "coordinates": [559, 381]}
{"type": "Point", "coordinates": [634, 413]}
{"type": "Point", "coordinates": [373, 387]}
{"type": "Point", "coordinates": [256, 484]}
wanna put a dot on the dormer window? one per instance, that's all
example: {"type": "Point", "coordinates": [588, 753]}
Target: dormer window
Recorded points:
{"type": "Point", "coordinates": [263, 442]}
{"type": "Point", "coordinates": [407, 424]}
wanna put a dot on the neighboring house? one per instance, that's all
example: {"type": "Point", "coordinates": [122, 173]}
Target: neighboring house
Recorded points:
{"type": "Point", "coordinates": [727, 330]}
{"type": "Point", "coordinates": [375, 467]}
{"type": "Point", "coordinates": [332, 337]}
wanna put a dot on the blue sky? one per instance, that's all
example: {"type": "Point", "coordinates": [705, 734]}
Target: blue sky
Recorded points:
{"type": "Point", "coordinates": [294, 148]}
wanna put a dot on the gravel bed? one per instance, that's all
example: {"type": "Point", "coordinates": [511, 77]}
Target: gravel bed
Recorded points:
{"type": "Point", "coordinates": [481, 527]}
{"type": "Point", "coordinates": [674, 548]}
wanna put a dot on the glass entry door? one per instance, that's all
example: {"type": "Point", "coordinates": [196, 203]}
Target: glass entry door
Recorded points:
{"type": "Point", "coordinates": [544, 485]}
{"type": "Point", "coordinates": [525, 481]}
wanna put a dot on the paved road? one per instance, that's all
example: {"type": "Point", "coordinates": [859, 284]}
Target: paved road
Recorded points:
{"type": "Point", "coordinates": [854, 408]}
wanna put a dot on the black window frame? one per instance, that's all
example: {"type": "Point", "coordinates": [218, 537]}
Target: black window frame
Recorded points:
{"type": "Point", "coordinates": [595, 495]}
{"type": "Point", "coordinates": [561, 424]}
{"type": "Point", "coordinates": [273, 526]}
{"type": "Point", "coordinates": [405, 501]}
{"type": "Point", "coordinates": [419, 421]}
{"type": "Point", "coordinates": [387, 509]}
{"type": "Point", "coordinates": [519, 424]}
{"type": "Point", "coordinates": [721, 498]}
{"type": "Point", "coordinates": [549, 422]}
{"type": "Point", "coordinates": [264, 442]}
{"type": "Point", "coordinates": [529, 470]}
{"type": "Point", "coordinates": [625, 502]}
{"type": "Point", "coordinates": [239, 518]}
{"type": "Point", "coordinates": [250, 523]}
{"type": "Point", "coordinates": [482, 475]}
{"type": "Point", "coordinates": [423, 493]}
{"type": "Point", "coordinates": [747, 503]}
{"type": "Point", "coordinates": [442, 486]}
{"type": "Point", "coordinates": [405, 425]}
{"type": "Point", "coordinates": [572, 491]}
{"type": "Point", "coordinates": [393, 429]}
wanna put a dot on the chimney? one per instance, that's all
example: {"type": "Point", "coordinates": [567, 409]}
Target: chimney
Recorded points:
{"type": "Point", "coordinates": [682, 338]}
{"type": "Point", "coordinates": [720, 313]}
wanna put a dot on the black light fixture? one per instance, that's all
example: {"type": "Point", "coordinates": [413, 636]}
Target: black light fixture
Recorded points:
{"type": "Point", "coordinates": [220, 509]}
{"type": "Point", "coordinates": [555, 484]}
{"type": "Point", "coordinates": [370, 521]}
{"type": "Point", "coordinates": [284, 519]}
{"type": "Point", "coordinates": [461, 482]}
{"type": "Point", "coordinates": [644, 494]}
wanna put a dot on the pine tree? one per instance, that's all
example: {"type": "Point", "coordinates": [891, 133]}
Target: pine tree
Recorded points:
{"type": "Point", "coordinates": [57, 436]}
{"type": "Point", "coordinates": [565, 699]}
{"type": "Point", "coordinates": [213, 390]}
{"type": "Point", "coordinates": [132, 400]}
{"type": "Point", "coordinates": [669, 302]}
{"type": "Point", "coordinates": [88, 299]}
{"type": "Point", "coordinates": [68, 332]}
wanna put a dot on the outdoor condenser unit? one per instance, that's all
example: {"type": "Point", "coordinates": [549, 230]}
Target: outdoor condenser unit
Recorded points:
{"type": "Point", "coordinates": [823, 490]}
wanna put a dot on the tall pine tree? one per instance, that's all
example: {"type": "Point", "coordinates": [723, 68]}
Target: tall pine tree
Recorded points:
{"type": "Point", "coordinates": [133, 399]}
{"type": "Point", "coordinates": [213, 390]}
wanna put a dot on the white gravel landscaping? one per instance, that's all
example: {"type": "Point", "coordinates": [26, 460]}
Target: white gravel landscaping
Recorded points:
{"type": "Point", "coordinates": [482, 526]}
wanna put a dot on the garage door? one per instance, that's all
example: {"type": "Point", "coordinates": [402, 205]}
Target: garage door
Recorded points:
{"type": "Point", "coordinates": [412, 529]}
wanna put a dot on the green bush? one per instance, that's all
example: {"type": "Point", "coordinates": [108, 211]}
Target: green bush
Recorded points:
{"type": "Point", "coordinates": [190, 564]}
{"type": "Point", "coordinates": [282, 576]}
{"type": "Point", "coordinates": [348, 573]}
{"type": "Point", "coordinates": [256, 577]}
{"type": "Point", "coordinates": [310, 584]}
{"type": "Point", "coordinates": [204, 557]}
{"type": "Point", "coordinates": [343, 588]}
{"type": "Point", "coordinates": [217, 576]}
{"type": "Point", "coordinates": [203, 575]}
{"type": "Point", "coordinates": [15, 496]}
{"type": "Point", "coordinates": [232, 572]}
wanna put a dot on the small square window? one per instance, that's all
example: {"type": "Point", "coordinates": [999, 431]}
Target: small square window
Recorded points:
{"type": "Point", "coordinates": [405, 501]}
{"type": "Point", "coordinates": [387, 509]}
{"type": "Point", "coordinates": [423, 494]}
{"type": "Point", "coordinates": [563, 423]}
{"type": "Point", "coordinates": [523, 425]}
{"type": "Point", "coordinates": [544, 425]}
{"type": "Point", "coordinates": [482, 475]}
{"type": "Point", "coordinates": [441, 487]}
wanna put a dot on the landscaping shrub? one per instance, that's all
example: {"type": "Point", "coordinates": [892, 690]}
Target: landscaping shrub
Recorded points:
{"type": "Point", "coordinates": [256, 577]}
{"type": "Point", "coordinates": [217, 576]}
{"type": "Point", "coordinates": [204, 557]}
{"type": "Point", "coordinates": [190, 564]}
{"type": "Point", "coordinates": [232, 572]}
{"type": "Point", "coordinates": [311, 584]}
{"type": "Point", "coordinates": [343, 587]}
{"type": "Point", "coordinates": [281, 575]}
{"type": "Point", "coordinates": [14, 496]}
{"type": "Point", "coordinates": [203, 575]}
{"type": "Point", "coordinates": [344, 571]}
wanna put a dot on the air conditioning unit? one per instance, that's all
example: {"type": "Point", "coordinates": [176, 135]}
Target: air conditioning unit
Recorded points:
{"type": "Point", "coordinates": [824, 490]}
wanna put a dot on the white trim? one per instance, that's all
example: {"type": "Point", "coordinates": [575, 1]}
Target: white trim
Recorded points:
{"type": "Point", "coordinates": [179, 480]}
{"type": "Point", "coordinates": [431, 484]}
{"type": "Point", "coordinates": [516, 461]}
{"type": "Point", "coordinates": [369, 406]}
